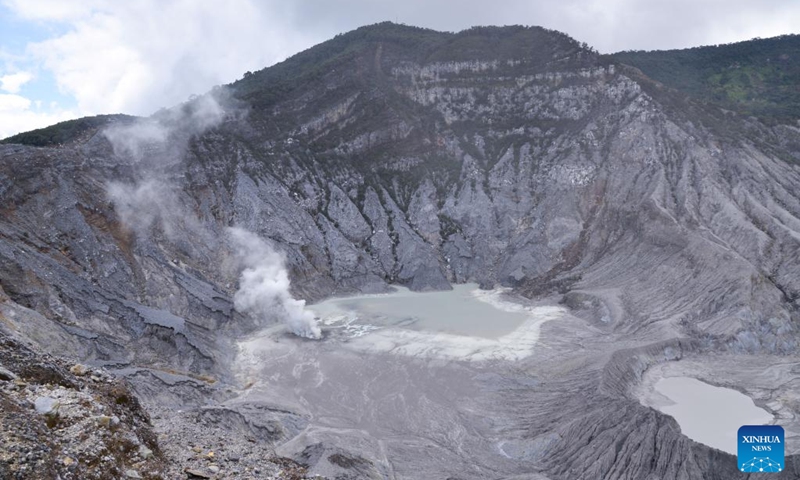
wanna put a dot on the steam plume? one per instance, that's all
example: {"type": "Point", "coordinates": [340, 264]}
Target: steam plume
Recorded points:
{"type": "Point", "coordinates": [264, 286]}
{"type": "Point", "coordinates": [133, 139]}
{"type": "Point", "coordinates": [139, 206]}
{"type": "Point", "coordinates": [165, 134]}
{"type": "Point", "coordinates": [152, 145]}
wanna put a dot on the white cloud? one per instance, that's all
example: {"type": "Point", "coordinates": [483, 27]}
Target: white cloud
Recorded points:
{"type": "Point", "coordinates": [59, 10]}
{"type": "Point", "coordinates": [140, 55]}
{"type": "Point", "coordinates": [608, 25]}
{"type": "Point", "coordinates": [614, 25]}
{"type": "Point", "coordinates": [11, 103]}
{"type": "Point", "coordinates": [16, 115]}
{"type": "Point", "coordinates": [13, 82]}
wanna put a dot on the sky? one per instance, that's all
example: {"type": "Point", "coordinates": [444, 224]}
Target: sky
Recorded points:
{"type": "Point", "coordinates": [63, 59]}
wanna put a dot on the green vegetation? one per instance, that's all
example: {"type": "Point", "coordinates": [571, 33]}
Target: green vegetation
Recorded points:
{"type": "Point", "coordinates": [759, 77]}
{"type": "Point", "coordinates": [65, 132]}
{"type": "Point", "coordinates": [267, 86]}
{"type": "Point", "coordinates": [365, 49]}
{"type": "Point", "coordinates": [537, 44]}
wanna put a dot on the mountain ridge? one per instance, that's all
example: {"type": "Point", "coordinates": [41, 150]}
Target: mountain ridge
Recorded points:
{"type": "Point", "coordinates": [420, 44]}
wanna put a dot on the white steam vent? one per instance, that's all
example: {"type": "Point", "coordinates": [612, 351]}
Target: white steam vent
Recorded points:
{"type": "Point", "coordinates": [264, 286]}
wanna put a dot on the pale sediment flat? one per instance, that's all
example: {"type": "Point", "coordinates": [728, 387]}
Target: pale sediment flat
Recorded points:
{"type": "Point", "coordinates": [382, 387]}
{"type": "Point", "coordinates": [515, 345]}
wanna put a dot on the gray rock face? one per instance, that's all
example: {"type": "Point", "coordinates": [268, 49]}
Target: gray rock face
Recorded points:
{"type": "Point", "coordinates": [557, 177]}
{"type": "Point", "coordinates": [7, 375]}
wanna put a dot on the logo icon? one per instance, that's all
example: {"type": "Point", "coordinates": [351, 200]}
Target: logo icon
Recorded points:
{"type": "Point", "coordinates": [760, 448]}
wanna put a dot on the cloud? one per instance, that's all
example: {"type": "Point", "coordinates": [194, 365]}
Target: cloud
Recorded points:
{"type": "Point", "coordinates": [12, 83]}
{"type": "Point", "coordinates": [614, 25]}
{"type": "Point", "coordinates": [608, 25]}
{"type": "Point", "coordinates": [16, 115]}
{"type": "Point", "coordinates": [138, 56]}
{"type": "Point", "coordinates": [13, 103]}
{"type": "Point", "coordinates": [51, 9]}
